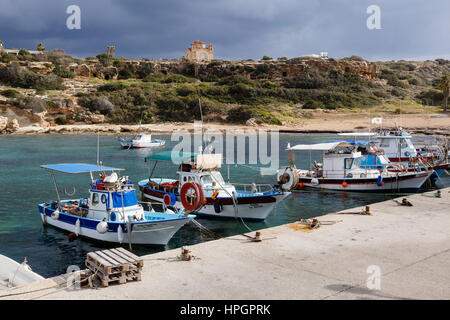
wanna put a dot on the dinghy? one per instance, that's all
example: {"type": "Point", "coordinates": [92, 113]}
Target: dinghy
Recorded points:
{"type": "Point", "coordinates": [111, 212]}
{"type": "Point", "coordinates": [200, 181]}
{"type": "Point", "coordinates": [14, 274]}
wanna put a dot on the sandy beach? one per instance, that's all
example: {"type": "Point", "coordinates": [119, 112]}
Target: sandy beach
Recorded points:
{"type": "Point", "coordinates": [323, 122]}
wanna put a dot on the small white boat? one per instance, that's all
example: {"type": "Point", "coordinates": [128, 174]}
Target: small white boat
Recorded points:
{"type": "Point", "coordinates": [111, 213]}
{"type": "Point", "coordinates": [341, 170]}
{"type": "Point", "coordinates": [141, 141]}
{"type": "Point", "coordinates": [14, 274]}
{"type": "Point", "coordinates": [199, 180]}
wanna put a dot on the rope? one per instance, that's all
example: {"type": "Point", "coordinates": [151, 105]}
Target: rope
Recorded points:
{"type": "Point", "coordinates": [205, 229]}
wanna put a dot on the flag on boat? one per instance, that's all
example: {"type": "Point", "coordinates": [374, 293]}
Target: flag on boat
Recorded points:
{"type": "Point", "coordinates": [377, 120]}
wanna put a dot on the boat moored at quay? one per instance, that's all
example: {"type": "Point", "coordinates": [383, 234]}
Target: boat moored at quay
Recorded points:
{"type": "Point", "coordinates": [341, 170]}
{"type": "Point", "coordinates": [200, 181]}
{"type": "Point", "coordinates": [111, 212]}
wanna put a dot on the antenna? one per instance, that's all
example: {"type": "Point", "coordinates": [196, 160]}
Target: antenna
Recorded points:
{"type": "Point", "coordinates": [201, 117]}
{"type": "Point", "coordinates": [98, 147]}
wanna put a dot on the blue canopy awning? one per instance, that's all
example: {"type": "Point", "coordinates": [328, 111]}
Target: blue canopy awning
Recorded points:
{"type": "Point", "coordinates": [77, 167]}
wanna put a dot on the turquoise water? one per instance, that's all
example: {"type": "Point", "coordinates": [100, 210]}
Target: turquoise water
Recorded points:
{"type": "Point", "coordinates": [23, 184]}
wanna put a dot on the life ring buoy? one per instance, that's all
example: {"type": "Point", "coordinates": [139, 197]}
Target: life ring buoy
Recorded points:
{"type": "Point", "coordinates": [191, 196]}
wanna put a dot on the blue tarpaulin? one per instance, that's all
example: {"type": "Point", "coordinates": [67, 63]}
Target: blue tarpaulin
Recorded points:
{"type": "Point", "coordinates": [129, 199]}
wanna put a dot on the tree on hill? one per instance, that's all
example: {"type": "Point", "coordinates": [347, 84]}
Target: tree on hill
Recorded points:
{"type": "Point", "coordinates": [40, 47]}
{"type": "Point", "coordinates": [444, 85]}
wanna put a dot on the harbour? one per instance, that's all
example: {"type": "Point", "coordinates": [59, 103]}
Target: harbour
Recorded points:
{"type": "Point", "coordinates": [396, 252]}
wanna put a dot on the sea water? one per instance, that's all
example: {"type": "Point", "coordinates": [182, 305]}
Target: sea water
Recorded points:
{"type": "Point", "coordinates": [23, 185]}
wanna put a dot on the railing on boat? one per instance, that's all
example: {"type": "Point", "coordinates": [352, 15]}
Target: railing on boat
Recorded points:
{"type": "Point", "coordinates": [253, 187]}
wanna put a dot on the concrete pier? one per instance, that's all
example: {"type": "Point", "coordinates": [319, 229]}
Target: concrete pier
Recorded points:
{"type": "Point", "coordinates": [397, 252]}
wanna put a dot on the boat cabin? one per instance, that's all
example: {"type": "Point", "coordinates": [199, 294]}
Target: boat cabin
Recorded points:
{"type": "Point", "coordinates": [111, 198]}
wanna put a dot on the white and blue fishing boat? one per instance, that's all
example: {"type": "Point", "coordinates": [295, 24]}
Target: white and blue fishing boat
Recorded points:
{"type": "Point", "coordinates": [111, 213]}
{"type": "Point", "coordinates": [341, 170]}
{"type": "Point", "coordinates": [199, 183]}
{"type": "Point", "coordinates": [141, 141]}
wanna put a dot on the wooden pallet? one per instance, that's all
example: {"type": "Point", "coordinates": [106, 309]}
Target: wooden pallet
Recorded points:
{"type": "Point", "coordinates": [114, 265]}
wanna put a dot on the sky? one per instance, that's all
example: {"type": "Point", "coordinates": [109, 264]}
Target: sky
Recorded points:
{"type": "Point", "coordinates": [238, 29]}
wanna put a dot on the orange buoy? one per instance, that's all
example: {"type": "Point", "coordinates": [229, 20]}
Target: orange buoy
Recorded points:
{"type": "Point", "coordinates": [344, 184]}
{"type": "Point", "coordinates": [71, 236]}
{"type": "Point", "coordinates": [301, 185]}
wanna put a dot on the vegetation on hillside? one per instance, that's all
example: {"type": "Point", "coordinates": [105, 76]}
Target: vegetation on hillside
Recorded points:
{"type": "Point", "coordinates": [225, 94]}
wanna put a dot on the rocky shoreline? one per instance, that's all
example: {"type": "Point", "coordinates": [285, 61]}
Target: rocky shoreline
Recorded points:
{"type": "Point", "coordinates": [166, 128]}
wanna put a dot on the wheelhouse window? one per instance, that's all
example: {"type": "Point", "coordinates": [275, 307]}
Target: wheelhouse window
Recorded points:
{"type": "Point", "coordinates": [218, 178]}
{"type": "Point", "coordinates": [348, 163]}
{"type": "Point", "coordinates": [206, 179]}
{"type": "Point", "coordinates": [95, 198]}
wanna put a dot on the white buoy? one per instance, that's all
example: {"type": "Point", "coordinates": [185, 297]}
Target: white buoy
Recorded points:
{"type": "Point", "coordinates": [77, 227]}
{"type": "Point", "coordinates": [102, 227]}
{"type": "Point", "coordinates": [55, 214]}
{"type": "Point", "coordinates": [120, 234]}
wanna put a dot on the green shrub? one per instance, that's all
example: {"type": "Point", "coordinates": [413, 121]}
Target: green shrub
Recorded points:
{"type": "Point", "coordinates": [144, 70]}
{"type": "Point", "coordinates": [270, 85]}
{"type": "Point", "coordinates": [179, 78]}
{"type": "Point", "coordinates": [51, 104]}
{"type": "Point", "coordinates": [61, 120]}
{"type": "Point", "coordinates": [10, 93]}
{"type": "Point", "coordinates": [242, 91]}
{"type": "Point", "coordinates": [109, 87]}
{"type": "Point", "coordinates": [127, 71]}
{"type": "Point", "coordinates": [63, 72]}
{"type": "Point", "coordinates": [312, 104]}
{"type": "Point", "coordinates": [34, 104]}
{"type": "Point", "coordinates": [17, 76]}
{"type": "Point", "coordinates": [413, 81]}
{"type": "Point", "coordinates": [266, 58]}
{"type": "Point", "coordinates": [23, 52]}
{"type": "Point", "coordinates": [104, 59]}
{"type": "Point", "coordinates": [240, 114]}
{"type": "Point", "coordinates": [430, 97]}
{"type": "Point", "coordinates": [276, 122]}
{"type": "Point", "coordinates": [235, 79]}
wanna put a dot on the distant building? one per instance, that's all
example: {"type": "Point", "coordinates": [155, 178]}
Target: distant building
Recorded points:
{"type": "Point", "coordinates": [199, 52]}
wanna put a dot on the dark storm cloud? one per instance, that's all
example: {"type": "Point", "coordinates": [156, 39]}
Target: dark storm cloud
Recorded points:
{"type": "Point", "coordinates": [238, 29]}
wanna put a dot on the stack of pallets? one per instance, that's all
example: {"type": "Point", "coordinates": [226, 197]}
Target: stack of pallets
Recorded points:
{"type": "Point", "coordinates": [114, 266]}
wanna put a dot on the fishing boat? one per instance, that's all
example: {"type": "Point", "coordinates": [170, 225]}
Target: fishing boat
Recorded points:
{"type": "Point", "coordinates": [341, 170]}
{"type": "Point", "coordinates": [111, 213]}
{"type": "Point", "coordinates": [14, 274]}
{"type": "Point", "coordinates": [398, 147]}
{"type": "Point", "coordinates": [199, 181]}
{"type": "Point", "coordinates": [141, 140]}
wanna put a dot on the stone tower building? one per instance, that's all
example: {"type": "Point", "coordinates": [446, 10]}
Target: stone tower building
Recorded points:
{"type": "Point", "coordinates": [199, 52]}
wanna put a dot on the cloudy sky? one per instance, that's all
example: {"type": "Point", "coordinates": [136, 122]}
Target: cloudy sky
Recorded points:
{"type": "Point", "coordinates": [238, 29]}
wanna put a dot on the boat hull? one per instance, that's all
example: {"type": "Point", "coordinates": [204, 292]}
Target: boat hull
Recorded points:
{"type": "Point", "coordinates": [133, 145]}
{"type": "Point", "coordinates": [404, 183]}
{"type": "Point", "coordinates": [256, 208]}
{"type": "Point", "coordinates": [157, 232]}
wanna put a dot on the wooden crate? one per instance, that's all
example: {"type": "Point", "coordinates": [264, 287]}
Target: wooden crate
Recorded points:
{"type": "Point", "coordinates": [114, 265]}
